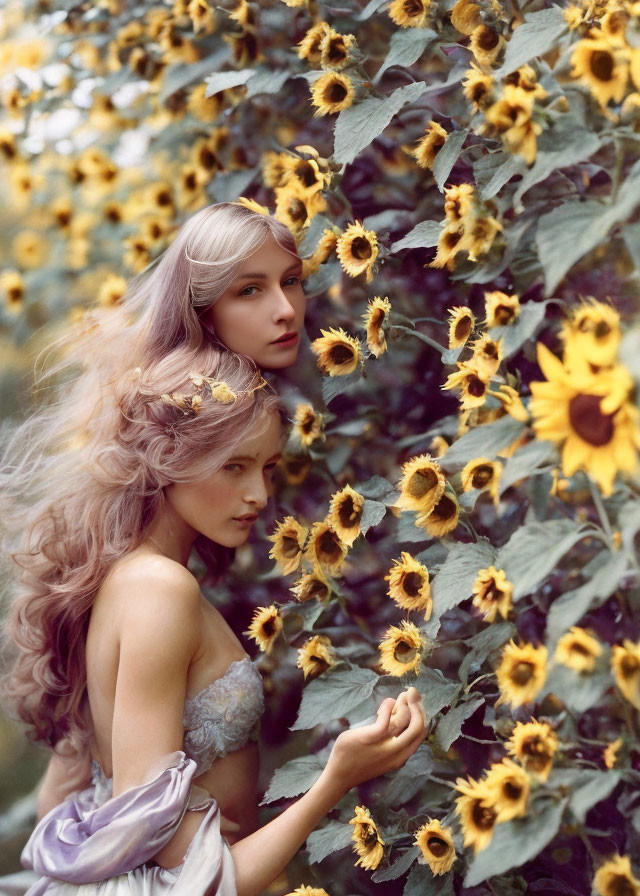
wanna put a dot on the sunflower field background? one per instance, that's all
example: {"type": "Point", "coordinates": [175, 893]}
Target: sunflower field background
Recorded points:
{"type": "Point", "coordinates": [458, 504]}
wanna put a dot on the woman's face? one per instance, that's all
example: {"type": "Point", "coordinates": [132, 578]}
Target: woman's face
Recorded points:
{"type": "Point", "coordinates": [224, 505]}
{"type": "Point", "coordinates": [261, 314]}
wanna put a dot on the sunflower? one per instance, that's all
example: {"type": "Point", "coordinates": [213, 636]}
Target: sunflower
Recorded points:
{"type": "Point", "coordinates": [625, 665]}
{"type": "Point", "coordinates": [591, 335]}
{"type": "Point", "coordinates": [450, 242]}
{"type": "Point", "coordinates": [500, 309]}
{"type": "Point", "coordinates": [492, 593]}
{"type": "Point", "coordinates": [444, 516]}
{"type": "Point", "coordinates": [534, 745]}
{"type": "Point", "coordinates": [376, 320]}
{"type": "Point", "coordinates": [336, 50]}
{"type": "Point", "coordinates": [428, 146]}
{"type": "Point", "coordinates": [310, 47]}
{"type": "Point", "coordinates": [409, 13]}
{"type": "Point", "coordinates": [409, 584]}
{"type": "Point", "coordinates": [525, 77]}
{"type": "Point", "coordinates": [338, 353]}
{"type": "Point", "coordinates": [288, 544]}
{"type": "Point", "coordinates": [314, 657]}
{"type": "Point", "coordinates": [578, 650]}
{"type": "Point", "coordinates": [511, 402]}
{"type": "Point", "coordinates": [610, 752]}
{"type": "Point", "coordinates": [296, 467]}
{"type": "Point", "coordinates": [325, 547]}
{"type": "Point", "coordinates": [305, 890]}
{"type": "Point", "coordinates": [480, 235]}
{"type": "Point", "coordinates": [601, 67]}
{"type": "Point", "coordinates": [252, 204]}
{"type": "Point", "coordinates": [461, 323]}
{"type": "Point", "coordinates": [615, 878]}
{"type": "Point", "coordinates": [436, 845]}
{"type": "Point", "coordinates": [422, 484]}
{"type": "Point", "coordinates": [486, 44]}
{"type": "Point", "coordinates": [308, 425]}
{"type": "Point", "coordinates": [367, 842]}
{"type": "Point", "coordinates": [326, 245]}
{"type": "Point", "coordinates": [12, 285]}
{"type": "Point", "coordinates": [332, 93]}
{"type": "Point", "coordinates": [29, 249]}
{"type": "Point", "coordinates": [509, 786]}
{"type": "Point", "coordinates": [401, 649]}
{"type": "Point", "coordinates": [296, 206]}
{"type": "Point", "coordinates": [487, 355]}
{"type": "Point", "coordinates": [265, 626]}
{"type": "Point", "coordinates": [345, 513]}
{"type": "Point", "coordinates": [465, 16]}
{"type": "Point", "coordinates": [588, 415]}
{"type": "Point", "coordinates": [459, 202]}
{"type": "Point", "coordinates": [477, 87]}
{"type": "Point", "coordinates": [521, 673]}
{"type": "Point", "coordinates": [311, 586]}
{"type": "Point", "coordinates": [111, 290]}
{"type": "Point", "coordinates": [482, 474]}
{"type": "Point", "coordinates": [472, 384]}
{"type": "Point", "coordinates": [477, 817]}
{"type": "Point", "coordinates": [438, 446]}
{"type": "Point", "coordinates": [357, 250]}
{"type": "Point", "coordinates": [311, 174]}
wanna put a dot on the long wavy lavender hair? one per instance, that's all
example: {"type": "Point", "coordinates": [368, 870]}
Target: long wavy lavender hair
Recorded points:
{"type": "Point", "coordinates": [82, 476]}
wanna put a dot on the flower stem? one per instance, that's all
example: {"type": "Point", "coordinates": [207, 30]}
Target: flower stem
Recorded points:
{"type": "Point", "coordinates": [602, 513]}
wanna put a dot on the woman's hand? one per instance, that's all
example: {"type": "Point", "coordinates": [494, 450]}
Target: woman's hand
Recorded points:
{"type": "Point", "coordinates": [364, 753]}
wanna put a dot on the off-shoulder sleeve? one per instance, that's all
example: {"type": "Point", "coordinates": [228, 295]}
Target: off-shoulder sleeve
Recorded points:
{"type": "Point", "coordinates": [84, 840]}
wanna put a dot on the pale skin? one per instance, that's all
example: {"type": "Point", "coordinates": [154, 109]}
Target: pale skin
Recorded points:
{"type": "Point", "coordinates": [153, 639]}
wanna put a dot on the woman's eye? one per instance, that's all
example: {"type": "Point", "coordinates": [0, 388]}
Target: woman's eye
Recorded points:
{"type": "Point", "coordinates": [244, 291]}
{"type": "Point", "coordinates": [293, 280]}
{"type": "Point", "coordinates": [232, 468]}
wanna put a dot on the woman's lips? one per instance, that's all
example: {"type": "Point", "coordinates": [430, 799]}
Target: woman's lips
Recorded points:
{"type": "Point", "coordinates": [286, 340]}
{"type": "Point", "coordinates": [247, 520]}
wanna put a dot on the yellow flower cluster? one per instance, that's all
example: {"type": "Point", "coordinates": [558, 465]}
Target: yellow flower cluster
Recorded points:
{"type": "Point", "coordinates": [469, 225]}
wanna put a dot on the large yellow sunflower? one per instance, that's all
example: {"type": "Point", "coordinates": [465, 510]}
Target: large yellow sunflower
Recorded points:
{"type": "Point", "coordinates": [461, 323]}
{"type": "Point", "coordinates": [472, 385]}
{"type": "Point", "coordinates": [265, 626]}
{"type": "Point", "coordinates": [625, 665]}
{"type": "Point", "coordinates": [500, 309]}
{"type": "Point", "coordinates": [401, 649]}
{"type": "Point", "coordinates": [311, 586]}
{"type": "Point", "coordinates": [315, 657]}
{"type": "Point", "coordinates": [459, 202]}
{"type": "Point", "coordinates": [444, 516]}
{"type": "Point", "coordinates": [615, 878]}
{"type": "Point", "coordinates": [367, 842]}
{"type": "Point", "coordinates": [422, 484]}
{"type": "Point", "coordinates": [492, 593]}
{"type": "Point", "coordinates": [578, 650]}
{"type": "Point", "coordinates": [288, 544]}
{"type": "Point", "coordinates": [409, 584]}
{"type": "Point", "coordinates": [509, 788]}
{"type": "Point", "coordinates": [477, 816]}
{"type": "Point", "coordinates": [534, 745]}
{"type": "Point", "coordinates": [338, 353]}
{"type": "Point", "coordinates": [486, 44]}
{"type": "Point", "coordinates": [591, 336]}
{"type": "Point", "coordinates": [521, 673]}
{"type": "Point", "coordinates": [376, 319]}
{"type": "Point", "coordinates": [436, 845]}
{"type": "Point", "coordinates": [602, 67]}
{"type": "Point", "coordinates": [429, 146]}
{"type": "Point", "coordinates": [296, 206]}
{"type": "Point", "coordinates": [357, 250]}
{"type": "Point", "coordinates": [337, 50]}
{"type": "Point", "coordinates": [310, 47]}
{"type": "Point", "coordinates": [451, 241]}
{"type": "Point", "coordinates": [331, 93]}
{"type": "Point", "coordinates": [345, 513]}
{"type": "Point", "coordinates": [588, 415]}
{"type": "Point", "coordinates": [325, 547]}
{"type": "Point", "coordinates": [409, 13]}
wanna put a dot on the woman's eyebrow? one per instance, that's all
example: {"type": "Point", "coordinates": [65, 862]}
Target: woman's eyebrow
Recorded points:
{"type": "Point", "coordinates": [258, 275]}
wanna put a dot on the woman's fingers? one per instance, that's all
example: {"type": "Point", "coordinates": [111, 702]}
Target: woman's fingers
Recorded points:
{"type": "Point", "coordinates": [417, 727]}
{"type": "Point", "coordinates": [375, 732]}
{"type": "Point", "coordinates": [400, 716]}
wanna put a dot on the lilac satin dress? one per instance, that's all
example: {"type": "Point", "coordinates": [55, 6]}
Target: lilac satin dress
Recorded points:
{"type": "Point", "coordinates": [94, 844]}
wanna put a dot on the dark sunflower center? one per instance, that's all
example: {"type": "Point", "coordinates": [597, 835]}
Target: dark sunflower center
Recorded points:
{"type": "Point", "coordinates": [463, 327]}
{"type": "Point", "coordinates": [316, 589]}
{"type": "Point", "coordinates": [452, 238]}
{"type": "Point", "coordinates": [377, 318]}
{"type": "Point", "coordinates": [475, 386]}
{"type": "Point", "coordinates": [328, 546]}
{"type": "Point", "coordinates": [348, 515]}
{"type": "Point", "coordinates": [503, 314]}
{"type": "Point", "coordinates": [512, 791]}
{"type": "Point", "coordinates": [335, 92]}
{"type": "Point", "coordinates": [437, 142]}
{"type": "Point", "coordinates": [361, 248]}
{"type": "Point", "coordinates": [268, 627]}
{"type": "Point", "coordinates": [306, 173]}
{"type": "Point", "coordinates": [297, 210]}
{"type": "Point", "coordinates": [479, 91]}
{"type": "Point", "coordinates": [319, 663]}
{"type": "Point", "coordinates": [601, 330]}
{"type": "Point", "coordinates": [307, 424]}
{"type": "Point", "coordinates": [589, 422]}
{"type": "Point", "coordinates": [411, 583]}
{"type": "Point", "coordinates": [445, 509]}
{"type": "Point", "coordinates": [629, 666]}
{"type": "Point", "coordinates": [290, 546]}
{"type": "Point", "coordinates": [522, 673]}
{"type": "Point", "coordinates": [482, 476]}
{"type": "Point", "coordinates": [488, 39]}
{"type": "Point", "coordinates": [337, 51]}
{"type": "Point", "coordinates": [437, 846]}
{"type": "Point", "coordinates": [602, 65]}
{"type": "Point", "coordinates": [404, 651]}
{"type": "Point", "coordinates": [413, 8]}
{"type": "Point", "coordinates": [577, 647]}
{"type": "Point", "coordinates": [492, 594]}
{"type": "Point", "coordinates": [483, 817]}
{"type": "Point", "coordinates": [341, 354]}
{"type": "Point", "coordinates": [422, 482]}
{"type": "Point", "coordinates": [620, 885]}
{"type": "Point", "coordinates": [490, 350]}
{"type": "Point", "coordinates": [536, 753]}
{"type": "Point", "coordinates": [369, 836]}
{"type": "Point", "coordinates": [296, 465]}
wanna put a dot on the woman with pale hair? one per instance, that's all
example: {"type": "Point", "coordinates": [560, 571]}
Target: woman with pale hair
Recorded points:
{"type": "Point", "coordinates": [115, 660]}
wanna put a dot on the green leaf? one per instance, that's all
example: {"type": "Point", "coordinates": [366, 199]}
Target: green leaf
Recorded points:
{"type": "Point", "coordinates": [293, 778]}
{"type": "Point", "coordinates": [570, 607]}
{"type": "Point", "coordinates": [524, 462]}
{"type": "Point", "coordinates": [423, 236]}
{"type": "Point", "coordinates": [436, 690]}
{"type": "Point", "coordinates": [524, 327]}
{"type": "Point", "coordinates": [423, 882]}
{"type": "Point", "coordinates": [333, 696]}
{"type": "Point", "coordinates": [308, 613]}
{"type": "Point", "coordinates": [454, 582]}
{"type": "Point", "coordinates": [516, 842]}
{"type": "Point", "coordinates": [482, 644]}
{"type": "Point", "coordinates": [224, 80]}
{"type": "Point", "coordinates": [450, 726]}
{"type": "Point", "coordinates": [361, 123]}
{"type": "Point", "coordinates": [586, 787]}
{"type": "Point", "coordinates": [377, 489]}
{"type": "Point", "coordinates": [631, 237]}
{"type": "Point", "coordinates": [408, 780]}
{"type": "Point", "coordinates": [371, 7]}
{"type": "Point", "coordinates": [495, 169]}
{"type": "Point", "coordinates": [487, 440]}
{"type": "Point", "coordinates": [409, 531]}
{"type": "Point", "coordinates": [228, 185]}
{"type": "Point", "coordinates": [578, 691]}
{"type": "Point", "coordinates": [533, 551]}
{"type": "Point", "coordinates": [267, 80]}
{"type": "Point", "coordinates": [405, 48]}
{"type": "Point", "coordinates": [183, 74]}
{"type": "Point", "coordinates": [399, 867]}
{"type": "Point", "coordinates": [332, 837]}
{"type": "Point", "coordinates": [568, 232]}
{"type": "Point", "coordinates": [539, 33]}
{"type": "Point", "coordinates": [447, 156]}
{"type": "Point", "coordinates": [373, 513]}
{"type": "Point", "coordinates": [336, 385]}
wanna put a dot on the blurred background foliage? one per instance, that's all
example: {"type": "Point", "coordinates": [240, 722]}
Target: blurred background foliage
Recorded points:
{"type": "Point", "coordinates": [457, 507]}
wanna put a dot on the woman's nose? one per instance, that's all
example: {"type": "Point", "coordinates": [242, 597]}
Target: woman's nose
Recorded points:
{"type": "Point", "coordinates": [283, 310]}
{"type": "Point", "coordinates": [257, 493]}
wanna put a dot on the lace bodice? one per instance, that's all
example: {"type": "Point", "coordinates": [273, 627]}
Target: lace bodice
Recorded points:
{"type": "Point", "coordinates": [225, 715]}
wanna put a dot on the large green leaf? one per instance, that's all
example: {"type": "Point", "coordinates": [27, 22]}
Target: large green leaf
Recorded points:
{"type": "Point", "coordinates": [362, 122]}
{"type": "Point", "coordinates": [408, 780]}
{"type": "Point", "coordinates": [579, 691]}
{"type": "Point", "coordinates": [533, 551]}
{"type": "Point", "coordinates": [181, 75]}
{"type": "Point", "coordinates": [224, 80]}
{"type": "Point", "coordinates": [526, 461]}
{"type": "Point", "coordinates": [487, 440]}
{"type": "Point", "coordinates": [293, 778]}
{"type": "Point", "coordinates": [524, 327]}
{"type": "Point", "coordinates": [392, 872]}
{"type": "Point", "coordinates": [495, 169]}
{"type": "Point", "coordinates": [454, 582]}
{"type": "Point", "coordinates": [424, 235]}
{"type": "Point", "coordinates": [332, 696]}
{"type": "Point", "coordinates": [323, 841]}
{"type": "Point", "coordinates": [266, 80]}
{"type": "Point", "coordinates": [481, 645]}
{"type": "Point", "coordinates": [423, 882]}
{"type": "Point", "coordinates": [372, 513]}
{"type": "Point", "coordinates": [586, 787]}
{"type": "Point", "coordinates": [450, 726]}
{"type": "Point", "coordinates": [516, 842]}
{"type": "Point", "coordinates": [336, 385]}
{"type": "Point", "coordinates": [436, 690]}
{"type": "Point", "coordinates": [406, 46]}
{"type": "Point", "coordinates": [447, 156]}
{"type": "Point", "coordinates": [538, 34]}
